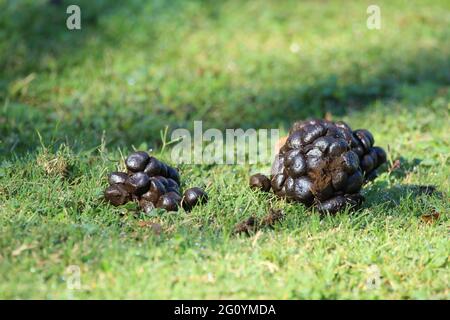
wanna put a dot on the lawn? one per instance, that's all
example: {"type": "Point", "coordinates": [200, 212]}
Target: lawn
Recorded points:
{"type": "Point", "coordinates": [74, 103]}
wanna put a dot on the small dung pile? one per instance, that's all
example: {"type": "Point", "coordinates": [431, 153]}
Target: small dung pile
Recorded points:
{"type": "Point", "coordinates": [153, 184]}
{"type": "Point", "coordinates": [323, 164]}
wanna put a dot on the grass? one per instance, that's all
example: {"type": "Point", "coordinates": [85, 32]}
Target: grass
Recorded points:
{"type": "Point", "coordinates": [72, 103]}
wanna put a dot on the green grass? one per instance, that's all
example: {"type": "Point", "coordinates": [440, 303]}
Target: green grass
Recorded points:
{"type": "Point", "coordinates": [72, 103]}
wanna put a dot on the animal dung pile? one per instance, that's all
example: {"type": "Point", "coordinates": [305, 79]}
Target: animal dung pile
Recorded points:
{"type": "Point", "coordinates": [323, 164]}
{"type": "Point", "coordinates": [152, 184]}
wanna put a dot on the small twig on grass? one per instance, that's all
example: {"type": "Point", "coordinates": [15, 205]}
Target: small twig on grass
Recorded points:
{"type": "Point", "coordinates": [252, 224]}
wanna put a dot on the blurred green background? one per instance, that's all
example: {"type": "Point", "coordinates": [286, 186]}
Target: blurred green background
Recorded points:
{"type": "Point", "coordinates": [73, 103]}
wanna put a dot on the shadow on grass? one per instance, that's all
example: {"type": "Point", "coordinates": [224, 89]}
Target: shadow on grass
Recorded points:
{"type": "Point", "coordinates": [393, 195]}
{"type": "Point", "coordinates": [269, 109]}
{"type": "Point", "coordinates": [328, 96]}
